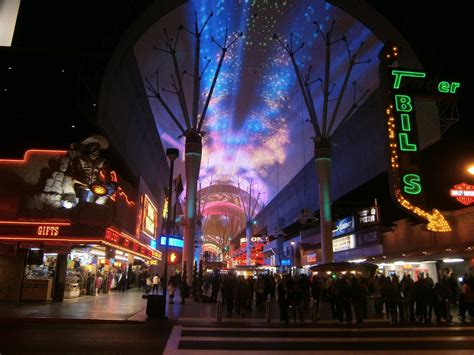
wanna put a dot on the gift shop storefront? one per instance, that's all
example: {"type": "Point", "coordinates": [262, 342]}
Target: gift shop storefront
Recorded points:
{"type": "Point", "coordinates": [71, 226]}
{"type": "Point", "coordinates": [61, 260]}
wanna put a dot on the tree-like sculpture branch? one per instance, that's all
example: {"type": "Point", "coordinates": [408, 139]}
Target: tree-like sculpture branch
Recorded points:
{"type": "Point", "coordinates": [193, 121]}
{"type": "Point", "coordinates": [325, 125]}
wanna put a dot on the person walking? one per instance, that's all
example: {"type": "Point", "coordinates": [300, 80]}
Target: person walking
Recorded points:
{"type": "Point", "coordinates": [283, 300]}
{"type": "Point", "coordinates": [156, 282]}
{"type": "Point", "coordinates": [391, 295]}
{"type": "Point", "coordinates": [171, 288]}
{"type": "Point", "coordinates": [357, 298]}
{"type": "Point", "coordinates": [316, 296]}
{"type": "Point", "coordinates": [149, 284]}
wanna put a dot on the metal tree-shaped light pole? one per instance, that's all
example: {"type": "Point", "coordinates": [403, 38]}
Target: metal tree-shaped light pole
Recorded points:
{"type": "Point", "coordinates": [172, 154]}
{"type": "Point", "coordinates": [234, 226]}
{"type": "Point", "coordinates": [324, 128]}
{"type": "Point", "coordinates": [249, 206]}
{"type": "Point", "coordinates": [192, 129]}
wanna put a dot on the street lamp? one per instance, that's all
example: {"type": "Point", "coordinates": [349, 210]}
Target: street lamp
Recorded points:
{"type": "Point", "coordinates": [292, 257]}
{"type": "Point", "coordinates": [470, 169]}
{"type": "Point", "coordinates": [172, 154]}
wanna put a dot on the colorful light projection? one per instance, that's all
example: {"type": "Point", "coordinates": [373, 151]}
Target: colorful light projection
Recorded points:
{"type": "Point", "coordinates": [256, 125]}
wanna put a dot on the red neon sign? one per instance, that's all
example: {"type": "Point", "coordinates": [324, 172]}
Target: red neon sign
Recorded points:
{"type": "Point", "coordinates": [47, 231]}
{"type": "Point", "coordinates": [464, 193]}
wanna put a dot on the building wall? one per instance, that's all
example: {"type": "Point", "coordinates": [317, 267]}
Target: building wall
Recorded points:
{"type": "Point", "coordinates": [406, 237]}
{"type": "Point", "coordinates": [11, 269]}
{"type": "Point", "coordinates": [124, 111]}
{"type": "Point", "coordinates": [127, 120]}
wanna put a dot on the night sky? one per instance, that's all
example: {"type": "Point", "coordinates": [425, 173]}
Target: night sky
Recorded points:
{"type": "Point", "coordinates": [50, 77]}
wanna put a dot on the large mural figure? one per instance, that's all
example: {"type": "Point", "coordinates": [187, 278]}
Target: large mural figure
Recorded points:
{"type": "Point", "coordinates": [83, 176]}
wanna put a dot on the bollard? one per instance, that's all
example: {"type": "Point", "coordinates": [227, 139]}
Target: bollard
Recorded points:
{"type": "Point", "coordinates": [268, 309]}
{"type": "Point", "coordinates": [314, 313]}
{"type": "Point", "coordinates": [403, 311]}
{"type": "Point", "coordinates": [219, 311]}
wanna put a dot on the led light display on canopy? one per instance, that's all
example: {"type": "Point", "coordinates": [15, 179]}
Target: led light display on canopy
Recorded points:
{"type": "Point", "coordinates": [256, 120]}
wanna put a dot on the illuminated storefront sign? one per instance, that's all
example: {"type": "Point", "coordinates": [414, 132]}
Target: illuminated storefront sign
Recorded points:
{"type": "Point", "coordinates": [253, 240]}
{"type": "Point", "coordinates": [122, 240]}
{"type": "Point", "coordinates": [406, 179]}
{"type": "Point", "coordinates": [285, 262]}
{"type": "Point", "coordinates": [311, 258]}
{"type": "Point", "coordinates": [165, 209]}
{"type": "Point", "coordinates": [343, 226]}
{"type": "Point", "coordinates": [367, 237]}
{"type": "Point", "coordinates": [63, 233]}
{"type": "Point", "coordinates": [149, 217]}
{"type": "Point", "coordinates": [464, 193]}
{"type": "Point", "coordinates": [343, 243]}
{"type": "Point", "coordinates": [48, 231]}
{"type": "Point", "coordinates": [367, 216]}
{"type": "Point", "coordinates": [172, 241]}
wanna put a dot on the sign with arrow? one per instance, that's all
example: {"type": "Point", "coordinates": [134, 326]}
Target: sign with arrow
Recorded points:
{"type": "Point", "coordinates": [406, 177]}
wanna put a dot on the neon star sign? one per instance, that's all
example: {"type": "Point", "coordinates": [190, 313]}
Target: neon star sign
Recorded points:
{"type": "Point", "coordinates": [464, 193]}
{"type": "Point", "coordinates": [407, 180]}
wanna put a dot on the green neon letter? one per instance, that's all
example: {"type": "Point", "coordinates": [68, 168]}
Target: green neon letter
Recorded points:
{"type": "Point", "coordinates": [404, 144]}
{"type": "Point", "coordinates": [403, 103]}
{"type": "Point", "coordinates": [412, 184]}
{"type": "Point", "coordinates": [443, 86]}
{"type": "Point", "coordinates": [399, 74]}
{"type": "Point", "coordinates": [405, 118]}
{"type": "Point", "coordinates": [454, 86]}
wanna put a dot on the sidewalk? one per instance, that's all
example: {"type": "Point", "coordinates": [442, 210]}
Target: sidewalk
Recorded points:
{"type": "Point", "coordinates": [120, 307]}
{"type": "Point", "coordinates": [130, 307]}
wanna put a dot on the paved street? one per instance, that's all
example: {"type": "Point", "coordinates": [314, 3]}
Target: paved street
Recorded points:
{"type": "Point", "coordinates": [117, 324]}
{"type": "Point", "coordinates": [67, 337]}
{"type": "Point", "coordinates": [373, 339]}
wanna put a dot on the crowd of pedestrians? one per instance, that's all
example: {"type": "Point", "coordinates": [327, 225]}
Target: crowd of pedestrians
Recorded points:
{"type": "Point", "coordinates": [347, 295]}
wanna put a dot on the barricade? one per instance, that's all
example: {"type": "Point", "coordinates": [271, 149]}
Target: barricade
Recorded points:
{"type": "Point", "coordinates": [268, 310]}
{"type": "Point", "coordinates": [314, 312]}
{"type": "Point", "coordinates": [155, 306]}
{"type": "Point", "coordinates": [219, 311]}
{"type": "Point", "coordinates": [403, 311]}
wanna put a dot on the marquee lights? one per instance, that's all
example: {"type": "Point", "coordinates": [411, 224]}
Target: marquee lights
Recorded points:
{"type": "Point", "coordinates": [401, 126]}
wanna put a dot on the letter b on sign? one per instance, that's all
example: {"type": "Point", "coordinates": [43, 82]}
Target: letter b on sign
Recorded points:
{"type": "Point", "coordinates": [403, 103]}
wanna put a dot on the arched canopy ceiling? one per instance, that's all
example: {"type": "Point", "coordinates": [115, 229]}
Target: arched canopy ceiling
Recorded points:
{"type": "Point", "coordinates": [221, 197]}
{"type": "Point", "coordinates": [257, 124]}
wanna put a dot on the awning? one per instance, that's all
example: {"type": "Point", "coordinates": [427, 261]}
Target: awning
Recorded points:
{"type": "Point", "coordinates": [366, 269]}
{"type": "Point", "coordinates": [65, 233]}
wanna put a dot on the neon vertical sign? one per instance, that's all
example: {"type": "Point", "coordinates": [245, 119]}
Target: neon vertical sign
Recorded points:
{"type": "Point", "coordinates": [407, 180]}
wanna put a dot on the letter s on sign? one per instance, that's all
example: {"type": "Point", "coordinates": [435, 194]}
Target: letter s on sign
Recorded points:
{"type": "Point", "coordinates": [412, 184]}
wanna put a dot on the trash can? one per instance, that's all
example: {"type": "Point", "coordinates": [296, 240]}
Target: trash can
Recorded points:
{"type": "Point", "coordinates": [155, 306]}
